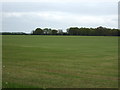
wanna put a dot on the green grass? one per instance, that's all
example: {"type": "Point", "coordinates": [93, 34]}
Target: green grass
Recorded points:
{"type": "Point", "coordinates": [60, 61]}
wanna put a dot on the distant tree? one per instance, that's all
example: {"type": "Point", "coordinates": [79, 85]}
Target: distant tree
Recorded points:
{"type": "Point", "coordinates": [60, 32]}
{"type": "Point", "coordinates": [13, 33]}
{"type": "Point", "coordinates": [99, 31]}
{"type": "Point", "coordinates": [38, 31]}
{"type": "Point", "coordinates": [54, 32]}
{"type": "Point", "coordinates": [92, 32]}
{"type": "Point", "coordinates": [115, 32]}
{"type": "Point", "coordinates": [83, 31]}
{"type": "Point", "coordinates": [73, 31]}
{"type": "Point", "coordinates": [47, 31]}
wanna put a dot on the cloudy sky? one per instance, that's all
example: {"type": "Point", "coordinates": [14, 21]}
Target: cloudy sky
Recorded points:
{"type": "Point", "coordinates": [27, 15]}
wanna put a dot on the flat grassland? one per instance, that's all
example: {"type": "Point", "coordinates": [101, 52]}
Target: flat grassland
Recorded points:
{"type": "Point", "coordinates": [34, 61]}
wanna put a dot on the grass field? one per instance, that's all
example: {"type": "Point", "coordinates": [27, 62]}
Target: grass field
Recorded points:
{"type": "Point", "coordinates": [60, 61]}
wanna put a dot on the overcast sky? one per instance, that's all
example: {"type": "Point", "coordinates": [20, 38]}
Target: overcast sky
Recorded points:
{"type": "Point", "coordinates": [27, 15]}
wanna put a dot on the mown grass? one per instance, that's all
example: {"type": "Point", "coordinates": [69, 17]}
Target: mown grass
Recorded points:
{"type": "Point", "coordinates": [60, 61]}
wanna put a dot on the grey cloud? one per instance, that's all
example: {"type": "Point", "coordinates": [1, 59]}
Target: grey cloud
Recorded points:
{"type": "Point", "coordinates": [80, 8]}
{"type": "Point", "coordinates": [26, 16]}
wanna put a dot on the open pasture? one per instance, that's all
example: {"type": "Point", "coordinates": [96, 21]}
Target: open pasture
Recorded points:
{"type": "Point", "coordinates": [34, 61]}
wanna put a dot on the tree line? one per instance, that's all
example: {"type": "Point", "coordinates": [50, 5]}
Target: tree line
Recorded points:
{"type": "Point", "coordinates": [99, 31]}
{"type": "Point", "coordinates": [13, 33]}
